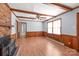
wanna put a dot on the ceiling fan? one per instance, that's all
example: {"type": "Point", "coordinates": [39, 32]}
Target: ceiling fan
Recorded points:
{"type": "Point", "coordinates": [38, 17]}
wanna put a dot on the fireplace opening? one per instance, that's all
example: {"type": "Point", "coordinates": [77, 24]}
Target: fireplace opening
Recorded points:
{"type": "Point", "coordinates": [7, 46]}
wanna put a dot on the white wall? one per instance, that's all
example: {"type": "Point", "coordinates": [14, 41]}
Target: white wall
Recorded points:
{"type": "Point", "coordinates": [68, 22]}
{"type": "Point", "coordinates": [13, 22]}
{"type": "Point", "coordinates": [45, 27]}
{"type": "Point", "coordinates": [34, 26]}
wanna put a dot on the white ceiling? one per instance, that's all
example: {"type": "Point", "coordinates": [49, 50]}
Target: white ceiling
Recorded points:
{"type": "Point", "coordinates": [24, 14]}
{"type": "Point", "coordinates": [38, 7]}
{"type": "Point", "coordinates": [22, 6]}
{"type": "Point", "coordinates": [72, 5]}
{"type": "Point", "coordinates": [47, 9]}
{"type": "Point", "coordinates": [35, 19]}
{"type": "Point", "coordinates": [53, 10]}
{"type": "Point", "coordinates": [30, 15]}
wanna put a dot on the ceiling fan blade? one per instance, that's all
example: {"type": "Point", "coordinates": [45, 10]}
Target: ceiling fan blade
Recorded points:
{"type": "Point", "coordinates": [41, 18]}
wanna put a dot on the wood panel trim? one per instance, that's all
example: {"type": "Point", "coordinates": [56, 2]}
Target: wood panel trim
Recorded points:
{"type": "Point", "coordinates": [77, 27]}
{"type": "Point", "coordinates": [53, 36]}
{"type": "Point", "coordinates": [68, 40]}
{"type": "Point", "coordinates": [72, 39]}
{"type": "Point", "coordinates": [77, 24]}
{"type": "Point", "coordinates": [34, 34]}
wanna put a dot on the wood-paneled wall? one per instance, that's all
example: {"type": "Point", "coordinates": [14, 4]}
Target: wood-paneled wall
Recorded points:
{"type": "Point", "coordinates": [34, 34]}
{"type": "Point", "coordinates": [77, 27]}
{"type": "Point", "coordinates": [68, 40]}
{"type": "Point", "coordinates": [5, 19]}
{"type": "Point", "coordinates": [54, 36]}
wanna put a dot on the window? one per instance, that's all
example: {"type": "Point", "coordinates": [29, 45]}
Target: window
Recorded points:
{"type": "Point", "coordinates": [57, 27]}
{"type": "Point", "coordinates": [50, 27]}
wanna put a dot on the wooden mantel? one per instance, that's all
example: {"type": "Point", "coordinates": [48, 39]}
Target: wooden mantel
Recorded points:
{"type": "Point", "coordinates": [9, 26]}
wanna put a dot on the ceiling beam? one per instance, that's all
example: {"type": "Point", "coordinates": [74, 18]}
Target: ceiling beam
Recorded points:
{"type": "Point", "coordinates": [29, 12]}
{"type": "Point", "coordinates": [62, 13]}
{"type": "Point", "coordinates": [60, 5]}
{"type": "Point", "coordinates": [25, 17]}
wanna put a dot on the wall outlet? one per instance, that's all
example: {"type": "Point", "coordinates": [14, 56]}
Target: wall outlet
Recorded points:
{"type": "Point", "coordinates": [69, 42]}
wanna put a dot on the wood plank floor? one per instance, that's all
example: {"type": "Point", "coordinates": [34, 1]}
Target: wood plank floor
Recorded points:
{"type": "Point", "coordinates": [43, 46]}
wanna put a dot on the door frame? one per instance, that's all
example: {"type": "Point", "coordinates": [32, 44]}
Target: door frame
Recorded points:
{"type": "Point", "coordinates": [17, 28]}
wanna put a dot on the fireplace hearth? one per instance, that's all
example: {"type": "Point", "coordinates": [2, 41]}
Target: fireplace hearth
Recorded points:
{"type": "Point", "coordinates": [7, 46]}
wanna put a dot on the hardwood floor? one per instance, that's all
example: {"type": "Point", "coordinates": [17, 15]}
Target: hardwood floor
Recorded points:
{"type": "Point", "coordinates": [43, 46]}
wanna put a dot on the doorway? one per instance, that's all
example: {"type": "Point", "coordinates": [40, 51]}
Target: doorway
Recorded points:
{"type": "Point", "coordinates": [21, 29]}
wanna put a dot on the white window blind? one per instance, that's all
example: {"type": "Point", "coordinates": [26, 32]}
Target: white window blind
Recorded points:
{"type": "Point", "coordinates": [50, 27]}
{"type": "Point", "coordinates": [57, 27]}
